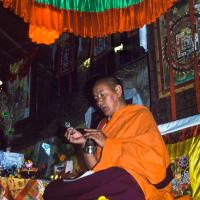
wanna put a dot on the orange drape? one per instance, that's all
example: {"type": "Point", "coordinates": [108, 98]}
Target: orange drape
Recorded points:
{"type": "Point", "coordinates": [134, 143]}
{"type": "Point", "coordinates": [47, 23]}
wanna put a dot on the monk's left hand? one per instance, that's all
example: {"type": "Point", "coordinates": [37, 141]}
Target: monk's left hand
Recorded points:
{"type": "Point", "coordinates": [97, 135]}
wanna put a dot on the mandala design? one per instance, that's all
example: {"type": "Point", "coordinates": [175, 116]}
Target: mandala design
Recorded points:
{"type": "Point", "coordinates": [183, 47]}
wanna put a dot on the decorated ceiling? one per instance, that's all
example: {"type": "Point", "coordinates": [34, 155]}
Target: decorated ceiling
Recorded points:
{"type": "Point", "coordinates": [48, 19]}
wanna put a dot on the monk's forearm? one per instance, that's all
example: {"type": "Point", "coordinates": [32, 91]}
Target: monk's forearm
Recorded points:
{"type": "Point", "coordinates": [90, 160]}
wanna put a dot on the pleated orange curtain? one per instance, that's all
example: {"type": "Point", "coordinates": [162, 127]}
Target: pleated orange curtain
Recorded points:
{"type": "Point", "coordinates": [47, 22]}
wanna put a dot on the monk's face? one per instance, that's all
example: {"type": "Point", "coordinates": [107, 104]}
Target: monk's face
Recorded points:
{"type": "Point", "coordinates": [107, 98]}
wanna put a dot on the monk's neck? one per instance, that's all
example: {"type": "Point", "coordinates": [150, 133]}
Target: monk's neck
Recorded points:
{"type": "Point", "coordinates": [120, 107]}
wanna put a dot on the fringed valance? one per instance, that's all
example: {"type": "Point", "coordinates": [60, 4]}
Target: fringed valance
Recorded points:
{"type": "Point", "coordinates": [48, 22]}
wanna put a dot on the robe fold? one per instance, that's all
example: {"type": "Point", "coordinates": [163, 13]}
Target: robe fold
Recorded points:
{"type": "Point", "coordinates": [135, 144]}
{"type": "Point", "coordinates": [132, 165]}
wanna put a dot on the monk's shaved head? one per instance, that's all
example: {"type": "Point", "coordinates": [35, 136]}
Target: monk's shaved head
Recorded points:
{"type": "Point", "coordinates": [111, 81]}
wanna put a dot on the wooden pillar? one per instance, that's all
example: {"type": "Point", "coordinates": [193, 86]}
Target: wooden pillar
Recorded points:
{"type": "Point", "coordinates": [58, 71]}
{"type": "Point", "coordinates": [171, 71]}
{"type": "Point", "coordinates": [195, 58]}
{"type": "Point", "coordinates": [91, 51]}
{"type": "Point", "coordinates": [106, 63]}
{"type": "Point", "coordinates": [71, 62]}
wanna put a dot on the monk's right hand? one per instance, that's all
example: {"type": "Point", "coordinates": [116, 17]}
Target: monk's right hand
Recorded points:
{"type": "Point", "coordinates": [75, 136]}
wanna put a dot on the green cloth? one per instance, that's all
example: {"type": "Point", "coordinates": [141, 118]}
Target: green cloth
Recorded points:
{"type": "Point", "coordinates": [89, 5]}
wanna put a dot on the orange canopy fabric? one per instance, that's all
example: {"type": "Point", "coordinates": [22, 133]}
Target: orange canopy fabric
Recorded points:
{"type": "Point", "coordinates": [47, 22]}
{"type": "Point", "coordinates": [135, 144]}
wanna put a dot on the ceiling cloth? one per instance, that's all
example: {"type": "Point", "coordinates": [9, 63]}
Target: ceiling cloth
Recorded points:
{"type": "Point", "coordinates": [48, 19]}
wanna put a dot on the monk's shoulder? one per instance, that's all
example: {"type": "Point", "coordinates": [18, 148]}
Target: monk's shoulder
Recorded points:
{"type": "Point", "coordinates": [138, 109]}
{"type": "Point", "coordinates": [137, 112]}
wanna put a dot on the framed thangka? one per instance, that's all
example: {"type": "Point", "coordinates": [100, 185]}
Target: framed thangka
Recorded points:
{"type": "Point", "coordinates": [19, 89]}
{"type": "Point", "coordinates": [184, 45]}
{"type": "Point", "coordinates": [15, 99]}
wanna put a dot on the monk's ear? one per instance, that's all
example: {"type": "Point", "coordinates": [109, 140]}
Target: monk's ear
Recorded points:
{"type": "Point", "coordinates": [118, 90]}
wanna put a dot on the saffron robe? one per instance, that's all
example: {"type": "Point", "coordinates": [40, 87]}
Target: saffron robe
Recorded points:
{"type": "Point", "coordinates": [134, 143]}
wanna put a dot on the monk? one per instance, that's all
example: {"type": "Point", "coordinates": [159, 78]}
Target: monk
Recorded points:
{"type": "Point", "coordinates": [131, 154]}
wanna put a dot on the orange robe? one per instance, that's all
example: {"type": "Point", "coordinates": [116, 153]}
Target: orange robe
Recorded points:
{"type": "Point", "coordinates": [135, 144]}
